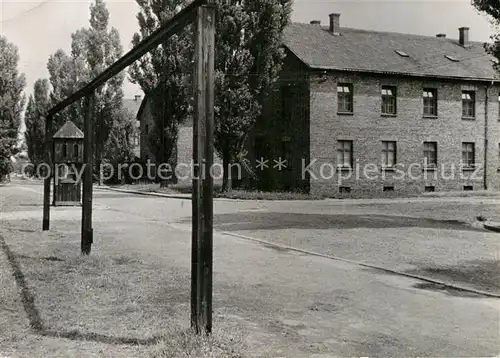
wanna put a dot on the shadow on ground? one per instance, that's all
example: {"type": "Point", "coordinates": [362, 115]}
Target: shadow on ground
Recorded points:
{"type": "Point", "coordinates": [246, 221]}
{"type": "Point", "coordinates": [481, 274]}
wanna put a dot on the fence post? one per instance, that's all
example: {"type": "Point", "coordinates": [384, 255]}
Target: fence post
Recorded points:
{"type": "Point", "coordinates": [87, 234]}
{"type": "Point", "coordinates": [46, 184]}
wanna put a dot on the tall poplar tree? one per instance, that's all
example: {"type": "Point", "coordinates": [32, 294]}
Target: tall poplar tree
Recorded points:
{"type": "Point", "coordinates": [12, 101]}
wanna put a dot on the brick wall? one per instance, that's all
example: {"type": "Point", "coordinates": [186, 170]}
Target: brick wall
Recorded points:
{"type": "Point", "coordinates": [185, 158]}
{"type": "Point", "coordinates": [367, 128]}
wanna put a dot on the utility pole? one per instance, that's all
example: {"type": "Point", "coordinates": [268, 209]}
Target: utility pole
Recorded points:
{"type": "Point", "coordinates": [202, 196]}
{"type": "Point", "coordinates": [46, 184]}
{"type": "Point", "coordinates": [88, 156]}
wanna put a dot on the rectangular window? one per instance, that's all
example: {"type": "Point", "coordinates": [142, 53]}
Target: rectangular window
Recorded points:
{"type": "Point", "coordinates": [498, 156]}
{"type": "Point", "coordinates": [388, 154]}
{"type": "Point", "coordinates": [468, 104]}
{"type": "Point", "coordinates": [468, 188]}
{"type": "Point", "coordinates": [430, 189]}
{"type": "Point", "coordinates": [388, 188]}
{"type": "Point", "coordinates": [344, 189]}
{"type": "Point", "coordinates": [430, 102]}
{"type": "Point", "coordinates": [468, 155]}
{"type": "Point", "coordinates": [344, 154]}
{"type": "Point", "coordinates": [388, 100]}
{"type": "Point", "coordinates": [430, 154]}
{"type": "Point", "coordinates": [64, 150]}
{"type": "Point", "coordinates": [499, 106]}
{"type": "Point", "coordinates": [344, 98]}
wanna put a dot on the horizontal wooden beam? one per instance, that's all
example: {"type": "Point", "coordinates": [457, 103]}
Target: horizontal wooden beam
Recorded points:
{"type": "Point", "coordinates": [172, 27]}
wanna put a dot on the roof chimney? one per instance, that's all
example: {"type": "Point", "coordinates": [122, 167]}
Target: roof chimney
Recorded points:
{"type": "Point", "coordinates": [137, 97]}
{"type": "Point", "coordinates": [441, 35]}
{"type": "Point", "coordinates": [316, 22]}
{"type": "Point", "coordinates": [464, 36]}
{"type": "Point", "coordinates": [334, 23]}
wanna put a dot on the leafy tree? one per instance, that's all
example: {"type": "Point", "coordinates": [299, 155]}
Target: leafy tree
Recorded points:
{"type": "Point", "coordinates": [249, 56]}
{"type": "Point", "coordinates": [119, 146]}
{"type": "Point", "coordinates": [65, 78]}
{"type": "Point", "coordinates": [12, 102]}
{"type": "Point", "coordinates": [163, 76]}
{"type": "Point", "coordinates": [492, 9]}
{"type": "Point", "coordinates": [92, 51]}
{"type": "Point", "coordinates": [38, 104]}
{"type": "Point", "coordinates": [248, 61]}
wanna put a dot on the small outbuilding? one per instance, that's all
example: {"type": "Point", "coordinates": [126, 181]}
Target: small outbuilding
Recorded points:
{"type": "Point", "coordinates": [68, 163]}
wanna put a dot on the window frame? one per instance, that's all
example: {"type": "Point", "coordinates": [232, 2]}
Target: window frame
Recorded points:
{"type": "Point", "coordinates": [434, 150]}
{"type": "Point", "coordinates": [64, 150]}
{"type": "Point", "coordinates": [470, 103]}
{"type": "Point", "coordinates": [341, 150]}
{"type": "Point", "coordinates": [468, 163]}
{"type": "Point", "coordinates": [386, 144]}
{"type": "Point", "coordinates": [427, 107]}
{"type": "Point", "coordinates": [76, 150]}
{"type": "Point", "coordinates": [341, 98]}
{"type": "Point", "coordinates": [498, 163]}
{"type": "Point", "coordinates": [389, 100]}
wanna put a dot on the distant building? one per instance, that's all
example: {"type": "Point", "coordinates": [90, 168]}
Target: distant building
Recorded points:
{"type": "Point", "coordinates": [133, 106]}
{"type": "Point", "coordinates": [183, 151]}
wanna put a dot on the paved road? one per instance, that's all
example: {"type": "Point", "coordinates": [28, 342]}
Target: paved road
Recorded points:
{"type": "Point", "coordinates": [299, 304]}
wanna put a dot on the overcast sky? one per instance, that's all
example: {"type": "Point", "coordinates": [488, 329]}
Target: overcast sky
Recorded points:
{"type": "Point", "coordinates": [39, 28]}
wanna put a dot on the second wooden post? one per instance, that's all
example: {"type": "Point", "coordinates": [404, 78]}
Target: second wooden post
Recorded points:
{"type": "Point", "coordinates": [87, 232]}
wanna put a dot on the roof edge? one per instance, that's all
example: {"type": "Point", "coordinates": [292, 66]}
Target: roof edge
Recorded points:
{"type": "Point", "coordinates": [406, 74]}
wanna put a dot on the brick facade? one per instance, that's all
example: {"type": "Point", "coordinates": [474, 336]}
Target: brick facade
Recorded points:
{"type": "Point", "coordinates": [315, 126]}
{"type": "Point", "coordinates": [184, 150]}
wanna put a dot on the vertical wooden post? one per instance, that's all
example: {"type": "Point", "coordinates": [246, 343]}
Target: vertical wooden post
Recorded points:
{"type": "Point", "coordinates": [87, 234]}
{"type": "Point", "coordinates": [208, 67]}
{"type": "Point", "coordinates": [202, 196]}
{"type": "Point", "coordinates": [46, 185]}
{"type": "Point", "coordinates": [197, 195]}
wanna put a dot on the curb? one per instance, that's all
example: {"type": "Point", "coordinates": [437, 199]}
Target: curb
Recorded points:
{"type": "Point", "coordinates": [492, 227]}
{"type": "Point", "coordinates": [171, 196]}
{"type": "Point", "coordinates": [421, 278]}
{"type": "Point", "coordinates": [311, 253]}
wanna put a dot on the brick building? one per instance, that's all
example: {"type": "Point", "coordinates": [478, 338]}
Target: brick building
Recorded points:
{"type": "Point", "coordinates": [133, 106]}
{"type": "Point", "coordinates": [363, 113]}
{"type": "Point", "coordinates": [360, 113]}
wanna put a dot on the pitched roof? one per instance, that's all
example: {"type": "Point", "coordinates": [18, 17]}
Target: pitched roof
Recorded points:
{"type": "Point", "coordinates": [68, 130]}
{"type": "Point", "coordinates": [132, 105]}
{"type": "Point", "coordinates": [372, 51]}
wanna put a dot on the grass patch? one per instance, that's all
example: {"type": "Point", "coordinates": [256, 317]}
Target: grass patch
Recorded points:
{"type": "Point", "coordinates": [185, 343]}
{"type": "Point", "coordinates": [260, 195]}
{"type": "Point", "coordinates": [231, 194]}
{"type": "Point", "coordinates": [123, 301]}
{"type": "Point", "coordinates": [463, 194]}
